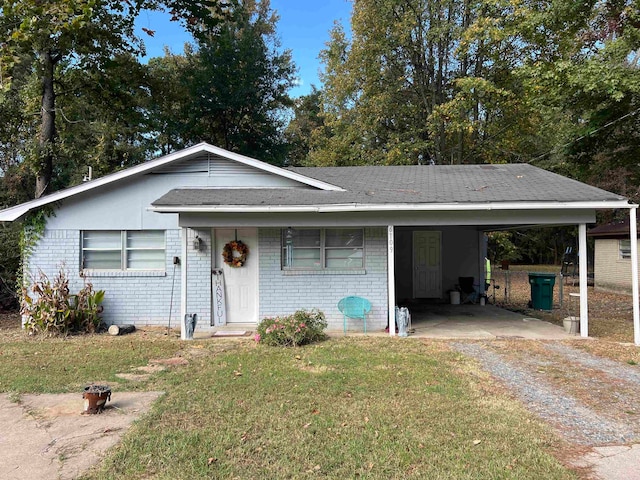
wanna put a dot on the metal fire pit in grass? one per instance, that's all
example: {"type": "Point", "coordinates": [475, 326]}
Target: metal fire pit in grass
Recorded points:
{"type": "Point", "coordinates": [95, 398]}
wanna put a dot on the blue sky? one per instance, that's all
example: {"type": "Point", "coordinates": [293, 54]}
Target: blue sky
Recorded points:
{"type": "Point", "coordinates": [303, 28]}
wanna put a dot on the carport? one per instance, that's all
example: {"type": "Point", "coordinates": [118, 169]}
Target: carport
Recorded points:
{"type": "Point", "coordinates": [434, 219]}
{"type": "Point", "coordinates": [495, 198]}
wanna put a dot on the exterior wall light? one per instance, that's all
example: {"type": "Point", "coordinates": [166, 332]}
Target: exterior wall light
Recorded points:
{"type": "Point", "coordinates": [197, 244]}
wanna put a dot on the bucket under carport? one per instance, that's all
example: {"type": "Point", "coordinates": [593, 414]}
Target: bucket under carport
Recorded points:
{"type": "Point", "coordinates": [454, 297]}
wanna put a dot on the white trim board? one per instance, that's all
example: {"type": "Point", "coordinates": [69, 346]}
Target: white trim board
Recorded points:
{"type": "Point", "coordinates": [385, 207]}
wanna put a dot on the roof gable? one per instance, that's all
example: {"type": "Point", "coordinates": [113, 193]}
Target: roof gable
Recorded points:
{"type": "Point", "coordinates": [188, 160]}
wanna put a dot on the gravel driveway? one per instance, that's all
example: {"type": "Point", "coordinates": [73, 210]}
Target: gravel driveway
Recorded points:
{"type": "Point", "coordinates": [591, 401]}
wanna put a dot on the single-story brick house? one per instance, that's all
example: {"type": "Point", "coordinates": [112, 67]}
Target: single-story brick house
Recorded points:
{"type": "Point", "coordinates": [315, 235]}
{"type": "Point", "coordinates": [612, 256]}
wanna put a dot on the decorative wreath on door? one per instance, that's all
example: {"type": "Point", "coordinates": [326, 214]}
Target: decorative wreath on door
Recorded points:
{"type": "Point", "coordinates": [230, 258]}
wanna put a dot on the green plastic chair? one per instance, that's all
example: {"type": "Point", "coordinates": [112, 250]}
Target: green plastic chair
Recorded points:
{"type": "Point", "coordinates": [354, 307]}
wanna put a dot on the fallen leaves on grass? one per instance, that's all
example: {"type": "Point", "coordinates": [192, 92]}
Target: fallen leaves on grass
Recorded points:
{"type": "Point", "coordinates": [610, 314]}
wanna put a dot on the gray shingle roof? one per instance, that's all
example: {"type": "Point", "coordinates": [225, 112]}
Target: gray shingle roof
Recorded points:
{"type": "Point", "coordinates": [446, 184]}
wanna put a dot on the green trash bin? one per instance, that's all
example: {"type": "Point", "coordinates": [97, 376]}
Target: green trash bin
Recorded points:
{"type": "Point", "coordinates": [542, 290]}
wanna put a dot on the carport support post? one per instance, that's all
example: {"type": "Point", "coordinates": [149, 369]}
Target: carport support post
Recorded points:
{"type": "Point", "coordinates": [183, 283]}
{"type": "Point", "coordinates": [582, 257]}
{"type": "Point", "coordinates": [633, 236]}
{"type": "Point", "coordinates": [391, 280]}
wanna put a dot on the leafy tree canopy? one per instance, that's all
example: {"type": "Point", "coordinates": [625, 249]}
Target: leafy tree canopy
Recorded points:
{"type": "Point", "coordinates": [46, 40]}
{"type": "Point", "coordinates": [466, 81]}
{"type": "Point", "coordinates": [230, 89]}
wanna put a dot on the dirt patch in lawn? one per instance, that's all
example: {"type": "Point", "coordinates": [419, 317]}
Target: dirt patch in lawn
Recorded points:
{"type": "Point", "coordinates": [10, 325]}
{"type": "Point", "coordinates": [47, 436]}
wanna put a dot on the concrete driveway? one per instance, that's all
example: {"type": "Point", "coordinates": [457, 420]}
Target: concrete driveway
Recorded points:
{"type": "Point", "coordinates": [480, 322]}
{"type": "Point", "coordinates": [472, 322]}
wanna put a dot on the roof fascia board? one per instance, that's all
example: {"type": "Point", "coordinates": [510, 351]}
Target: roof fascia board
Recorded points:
{"type": "Point", "coordinates": [13, 213]}
{"type": "Point", "coordinates": [394, 207]}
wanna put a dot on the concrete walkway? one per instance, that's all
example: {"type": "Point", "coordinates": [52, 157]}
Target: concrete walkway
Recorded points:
{"type": "Point", "coordinates": [47, 437]}
{"type": "Point", "coordinates": [612, 462]}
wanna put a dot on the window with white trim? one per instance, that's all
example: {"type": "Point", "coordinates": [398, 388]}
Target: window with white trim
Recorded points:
{"type": "Point", "coordinates": [123, 250]}
{"type": "Point", "coordinates": [624, 247]}
{"type": "Point", "coordinates": [318, 249]}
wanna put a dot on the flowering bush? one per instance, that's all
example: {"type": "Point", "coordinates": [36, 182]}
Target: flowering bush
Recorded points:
{"type": "Point", "coordinates": [298, 329]}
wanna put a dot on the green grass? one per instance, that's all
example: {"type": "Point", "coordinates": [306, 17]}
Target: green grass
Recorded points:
{"type": "Point", "coordinates": [348, 408]}
{"type": "Point", "coordinates": [56, 365]}
{"type": "Point", "coordinates": [374, 408]}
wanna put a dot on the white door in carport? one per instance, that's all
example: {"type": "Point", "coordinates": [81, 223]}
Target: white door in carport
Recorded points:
{"type": "Point", "coordinates": [427, 271]}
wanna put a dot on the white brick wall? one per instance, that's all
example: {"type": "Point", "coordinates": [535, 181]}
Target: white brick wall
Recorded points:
{"type": "Point", "coordinates": [610, 271]}
{"type": "Point", "coordinates": [199, 275]}
{"type": "Point", "coordinates": [140, 298]}
{"type": "Point", "coordinates": [143, 298]}
{"type": "Point", "coordinates": [283, 293]}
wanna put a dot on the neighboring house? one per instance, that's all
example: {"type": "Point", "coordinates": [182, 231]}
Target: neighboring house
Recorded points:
{"type": "Point", "coordinates": [388, 233]}
{"type": "Point", "coordinates": [612, 256]}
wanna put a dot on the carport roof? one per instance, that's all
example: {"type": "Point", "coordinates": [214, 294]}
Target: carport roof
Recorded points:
{"type": "Point", "coordinates": [371, 186]}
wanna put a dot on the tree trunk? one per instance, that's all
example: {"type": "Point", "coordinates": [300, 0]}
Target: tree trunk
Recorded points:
{"type": "Point", "coordinates": [47, 135]}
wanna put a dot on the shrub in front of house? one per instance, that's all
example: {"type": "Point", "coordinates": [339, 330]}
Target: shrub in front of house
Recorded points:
{"type": "Point", "coordinates": [49, 308]}
{"type": "Point", "coordinates": [301, 328]}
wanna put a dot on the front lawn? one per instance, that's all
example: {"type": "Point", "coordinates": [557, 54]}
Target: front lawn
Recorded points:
{"type": "Point", "coordinates": [345, 408]}
{"type": "Point", "coordinates": [57, 365]}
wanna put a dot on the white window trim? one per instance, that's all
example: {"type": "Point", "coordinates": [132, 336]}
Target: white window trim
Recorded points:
{"type": "Point", "coordinates": [124, 249]}
{"type": "Point", "coordinates": [323, 248]}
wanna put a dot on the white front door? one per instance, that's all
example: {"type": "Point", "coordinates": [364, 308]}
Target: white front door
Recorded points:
{"type": "Point", "coordinates": [427, 272]}
{"type": "Point", "coordinates": [241, 284]}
